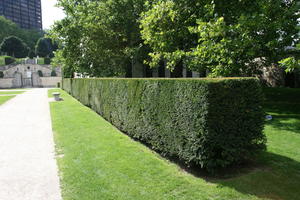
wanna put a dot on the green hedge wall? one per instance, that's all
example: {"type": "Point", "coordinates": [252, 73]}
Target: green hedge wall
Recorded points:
{"type": "Point", "coordinates": [209, 122]}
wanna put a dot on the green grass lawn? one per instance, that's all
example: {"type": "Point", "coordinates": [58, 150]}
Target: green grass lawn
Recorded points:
{"type": "Point", "coordinates": [11, 92]}
{"type": "Point", "coordinates": [96, 161]}
{"type": "Point", "coordinates": [4, 99]}
{"type": "Point", "coordinates": [2, 61]}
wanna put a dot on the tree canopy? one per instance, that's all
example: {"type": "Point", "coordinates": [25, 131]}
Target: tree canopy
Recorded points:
{"type": "Point", "coordinates": [45, 47]}
{"type": "Point", "coordinates": [14, 46]}
{"type": "Point", "coordinates": [100, 37]}
{"type": "Point", "coordinates": [223, 38]}
{"type": "Point", "coordinates": [227, 38]}
{"type": "Point", "coordinates": [9, 28]}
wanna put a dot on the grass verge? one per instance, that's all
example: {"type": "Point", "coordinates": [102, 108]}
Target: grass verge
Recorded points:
{"type": "Point", "coordinates": [2, 61]}
{"type": "Point", "coordinates": [96, 161]}
{"type": "Point", "coordinates": [11, 92]}
{"type": "Point", "coordinates": [4, 99]}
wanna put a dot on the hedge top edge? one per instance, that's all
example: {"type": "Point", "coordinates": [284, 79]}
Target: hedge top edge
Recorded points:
{"type": "Point", "coordinates": [173, 79]}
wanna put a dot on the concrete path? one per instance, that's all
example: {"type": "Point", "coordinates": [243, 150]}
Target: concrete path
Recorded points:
{"type": "Point", "coordinates": [28, 168]}
{"type": "Point", "coordinates": [4, 95]}
{"type": "Point", "coordinates": [2, 90]}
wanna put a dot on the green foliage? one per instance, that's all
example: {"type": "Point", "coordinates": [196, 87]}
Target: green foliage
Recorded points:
{"type": "Point", "coordinates": [290, 64]}
{"type": "Point", "coordinates": [45, 47]}
{"type": "Point", "coordinates": [9, 28]}
{"type": "Point", "coordinates": [40, 73]}
{"type": "Point", "coordinates": [31, 54]}
{"type": "Point", "coordinates": [122, 169]}
{"type": "Point", "coordinates": [47, 61]}
{"type": "Point", "coordinates": [9, 60]}
{"type": "Point", "coordinates": [1, 74]}
{"type": "Point", "coordinates": [100, 38]}
{"type": "Point", "coordinates": [211, 122]}
{"type": "Point", "coordinates": [4, 99]}
{"type": "Point", "coordinates": [14, 46]}
{"type": "Point", "coordinates": [225, 37]}
{"type": "Point", "coordinates": [53, 73]}
{"type": "Point", "coordinates": [41, 61]}
{"type": "Point", "coordinates": [60, 61]}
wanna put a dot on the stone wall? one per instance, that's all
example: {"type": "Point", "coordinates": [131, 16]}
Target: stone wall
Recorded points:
{"type": "Point", "coordinates": [6, 83]}
{"type": "Point", "coordinates": [50, 81]}
{"type": "Point", "coordinates": [10, 70]}
{"type": "Point", "coordinates": [28, 75]}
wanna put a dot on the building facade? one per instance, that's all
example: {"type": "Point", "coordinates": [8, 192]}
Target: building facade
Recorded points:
{"type": "Point", "coordinates": [26, 13]}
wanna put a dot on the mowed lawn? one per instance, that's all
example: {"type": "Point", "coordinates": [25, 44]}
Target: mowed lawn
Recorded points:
{"type": "Point", "coordinates": [4, 99]}
{"type": "Point", "coordinates": [11, 92]}
{"type": "Point", "coordinates": [96, 161]}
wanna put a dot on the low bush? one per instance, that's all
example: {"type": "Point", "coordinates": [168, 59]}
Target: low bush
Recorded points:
{"type": "Point", "coordinates": [40, 73]}
{"type": "Point", "coordinates": [31, 54]}
{"type": "Point", "coordinates": [9, 60]}
{"type": "Point", "coordinates": [53, 73]}
{"type": "Point", "coordinates": [47, 61]}
{"type": "Point", "coordinates": [209, 122]}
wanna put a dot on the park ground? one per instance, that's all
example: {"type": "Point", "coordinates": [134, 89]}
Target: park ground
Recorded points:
{"type": "Point", "coordinates": [28, 167]}
{"type": "Point", "coordinates": [6, 95]}
{"type": "Point", "coordinates": [96, 161]}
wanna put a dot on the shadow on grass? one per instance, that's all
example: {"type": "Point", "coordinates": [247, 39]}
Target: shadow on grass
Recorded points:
{"type": "Point", "coordinates": [285, 123]}
{"type": "Point", "coordinates": [277, 178]}
{"type": "Point", "coordinates": [271, 176]}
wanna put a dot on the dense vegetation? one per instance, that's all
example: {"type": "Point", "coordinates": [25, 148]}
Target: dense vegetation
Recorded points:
{"type": "Point", "coordinates": [196, 121]}
{"type": "Point", "coordinates": [9, 28]}
{"type": "Point", "coordinates": [96, 161]}
{"type": "Point", "coordinates": [14, 46]}
{"type": "Point", "coordinates": [228, 38]}
{"type": "Point", "coordinates": [216, 38]}
{"type": "Point", "coordinates": [45, 47]}
{"type": "Point", "coordinates": [22, 43]}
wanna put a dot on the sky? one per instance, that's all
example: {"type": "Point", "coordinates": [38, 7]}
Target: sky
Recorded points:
{"type": "Point", "coordinates": [50, 13]}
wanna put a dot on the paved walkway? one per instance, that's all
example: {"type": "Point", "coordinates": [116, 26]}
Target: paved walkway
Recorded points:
{"type": "Point", "coordinates": [4, 95]}
{"type": "Point", "coordinates": [16, 90]}
{"type": "Point", "coordinates": [28, 168]}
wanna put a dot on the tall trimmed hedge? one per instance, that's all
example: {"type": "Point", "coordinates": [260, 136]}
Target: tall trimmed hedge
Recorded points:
{"type": "Point", "coordinates": [209, 122]}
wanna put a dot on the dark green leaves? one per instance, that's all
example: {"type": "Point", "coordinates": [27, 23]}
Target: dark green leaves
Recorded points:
{"type": "Point", "coordinates": [211, 122]}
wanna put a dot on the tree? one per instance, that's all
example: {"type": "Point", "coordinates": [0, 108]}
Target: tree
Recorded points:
{"type": "Point", "coordinates": [60, 61]}
{"type": "Point", "coordinates": [9, 28]}
{"type": "Point", "coordinates": [45, 47]}
{"type": "Point", "coordinates": [291, 63]}
{"type": "Point", "coordinates": [225, 37]}
{"type": "Point", "coordinates": [101, 38]}
{"type": "Point", "coordinates": [31, 54]}
{"type": "Point", "coordinates": [14, 46]}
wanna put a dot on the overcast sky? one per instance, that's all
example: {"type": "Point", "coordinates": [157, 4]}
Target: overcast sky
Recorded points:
{"type": "Point", "coordinates": [50, 13]}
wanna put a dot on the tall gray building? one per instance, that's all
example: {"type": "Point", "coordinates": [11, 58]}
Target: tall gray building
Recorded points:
{"type": "Point", "coordinates": [26, 13]}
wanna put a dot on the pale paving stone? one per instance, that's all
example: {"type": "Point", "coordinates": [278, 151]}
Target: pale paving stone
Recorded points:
{"type": "Point", "coordinates": [28, 169]}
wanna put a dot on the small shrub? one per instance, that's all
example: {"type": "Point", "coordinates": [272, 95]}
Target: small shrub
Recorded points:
{"type": "Point", "coordinates": [209, 122]}
{"type": "Point", "coordinates": [1, 74]}
{"type": "Point", "coordinates": [40, 73]}
{"type": "Point", "coordinates": [47, 61]}
{"type": "Point", "coordinates": [53, 73]}
{"type": "Point", "coordinates": [9, 60]}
